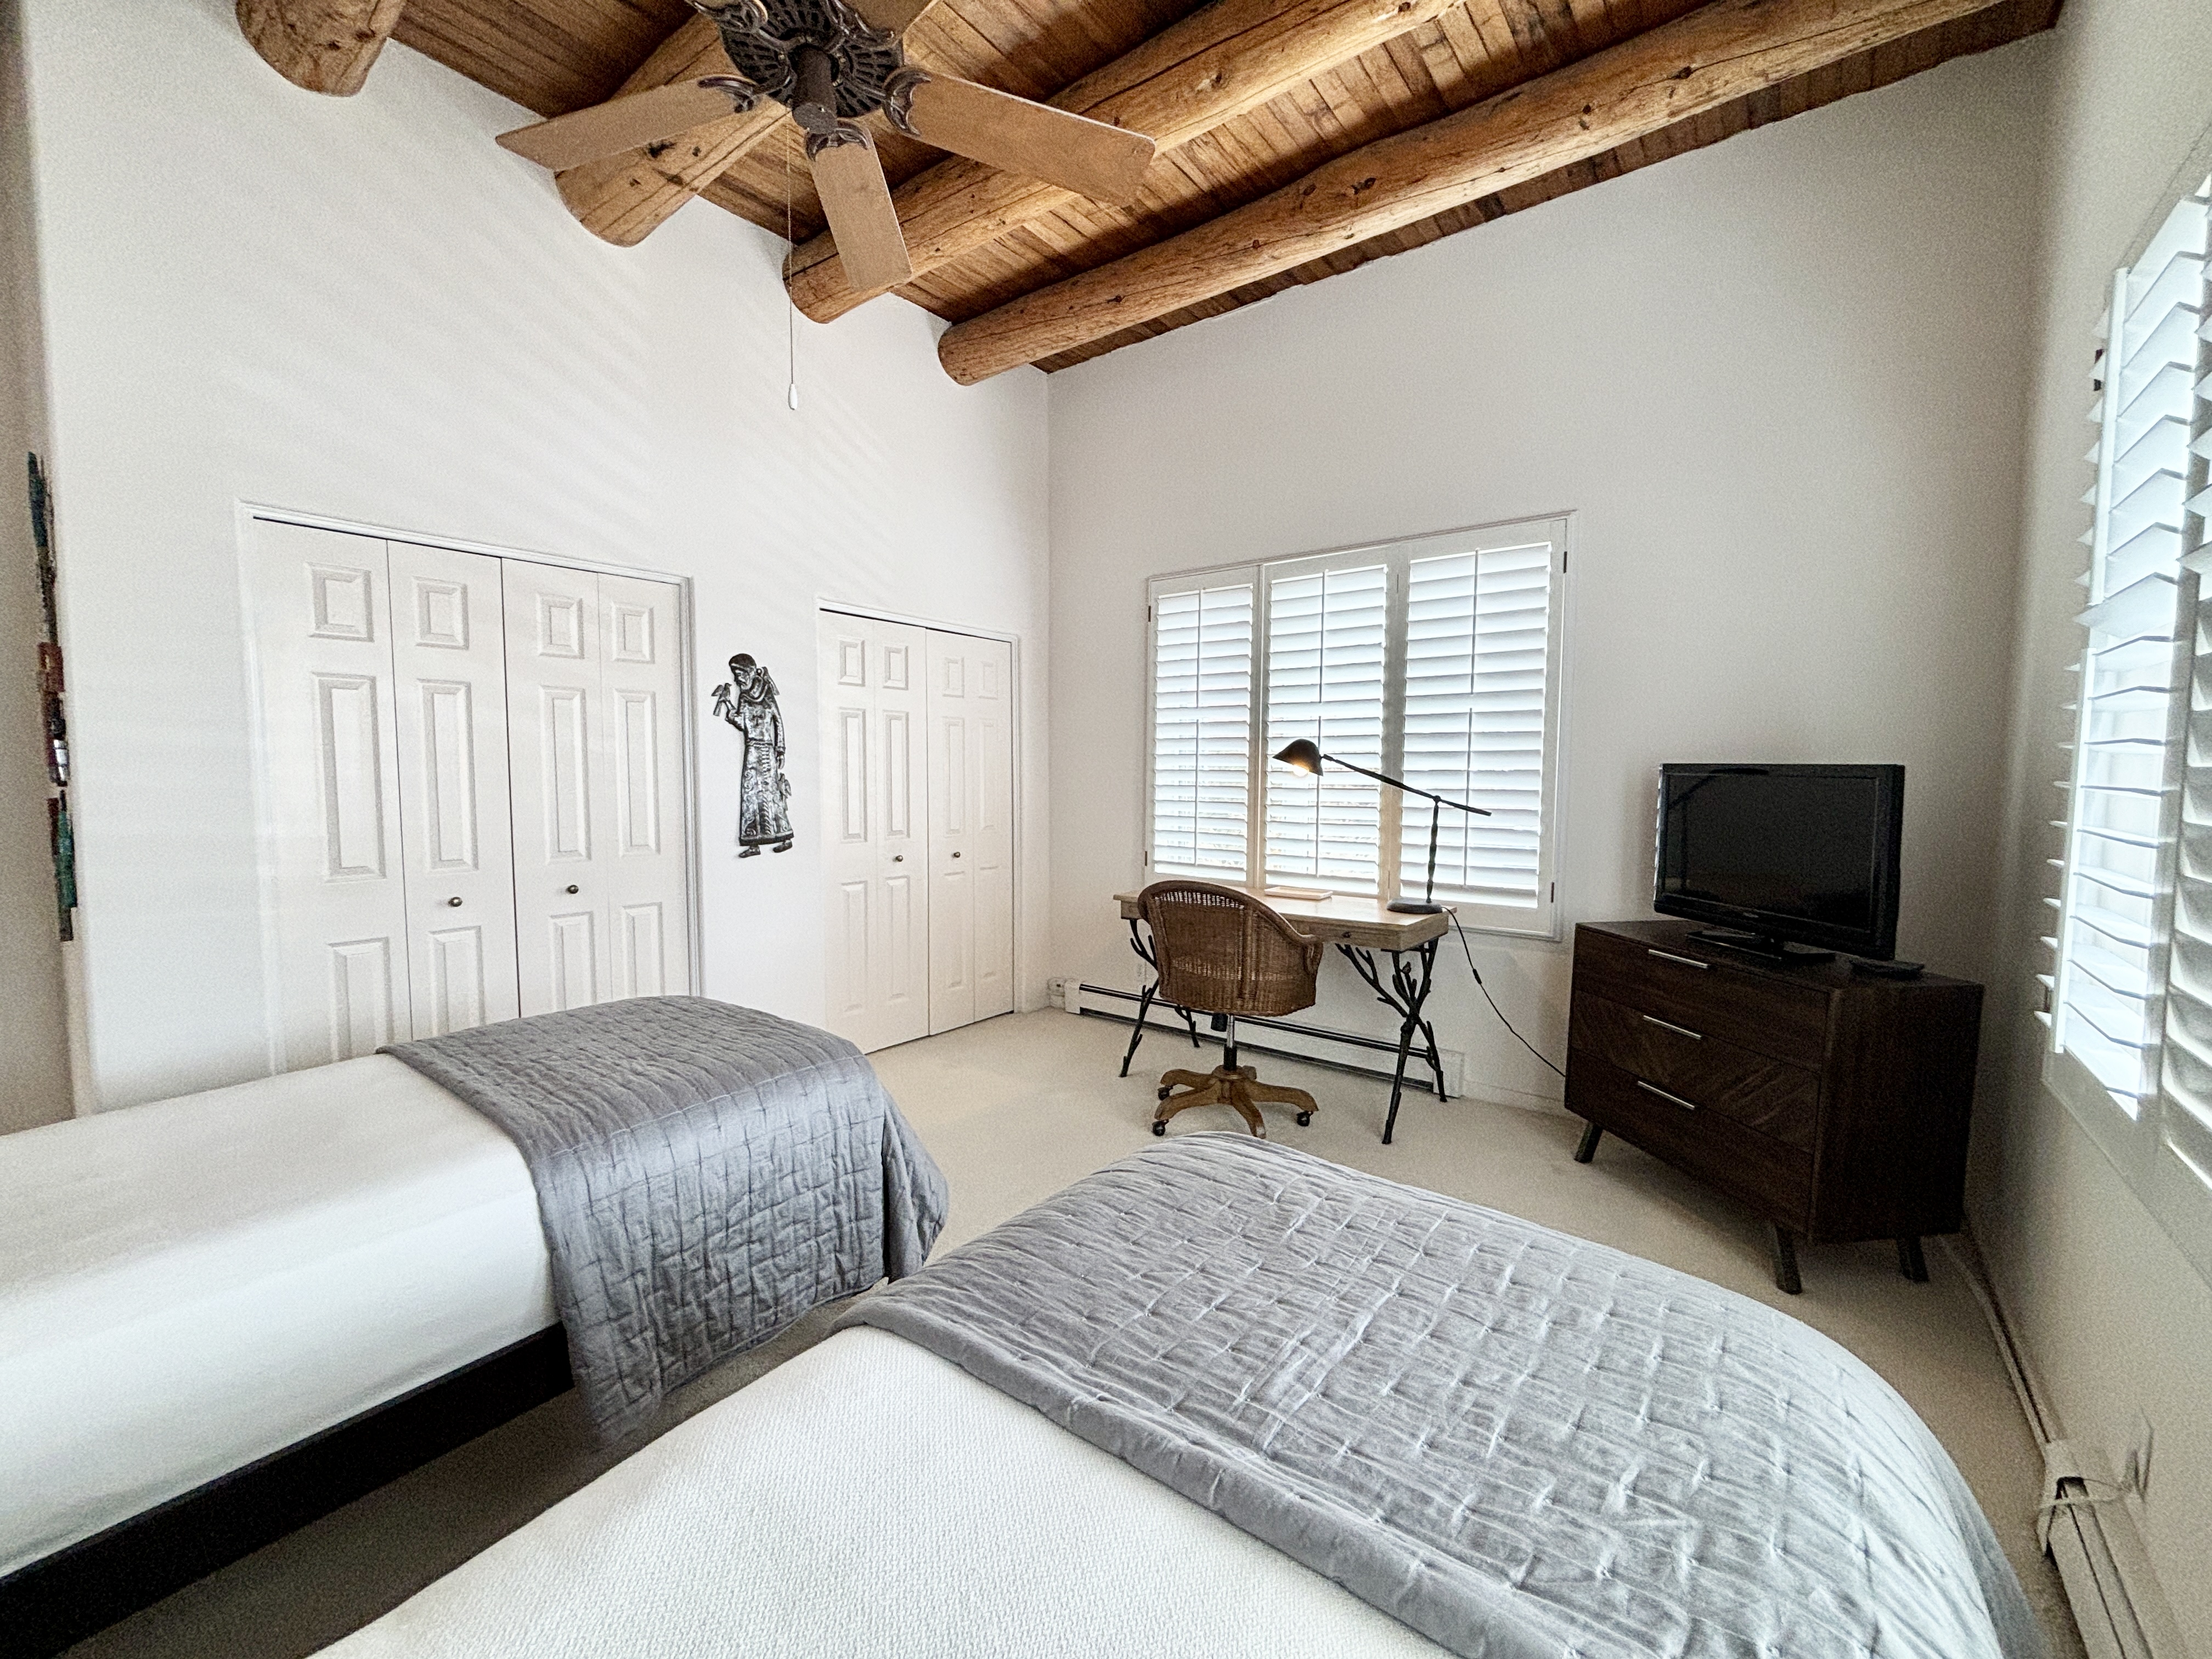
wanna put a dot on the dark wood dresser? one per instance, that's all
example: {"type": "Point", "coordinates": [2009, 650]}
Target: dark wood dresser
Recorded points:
{"type": "Point", "coordinates": [1833, 1104]}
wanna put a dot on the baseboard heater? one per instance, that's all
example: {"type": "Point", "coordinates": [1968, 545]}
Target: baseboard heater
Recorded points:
{"type": "Point", "coordinates": [2087, 1526]}
{"type": "Point", "coordinates": [1311, 1045]}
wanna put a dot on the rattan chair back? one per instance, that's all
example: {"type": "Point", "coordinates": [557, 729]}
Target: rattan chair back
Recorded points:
{"type": "Point", "coordinates": [1222, 951]}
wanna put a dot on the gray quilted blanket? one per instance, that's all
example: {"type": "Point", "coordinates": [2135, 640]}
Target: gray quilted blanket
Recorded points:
{"type": "Point", "coordinates": [705, 1175]}
{"type": "Point", "coordinates": [1516, 1442]}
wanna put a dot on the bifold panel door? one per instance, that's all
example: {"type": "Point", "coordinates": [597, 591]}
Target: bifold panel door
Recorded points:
{"type": "Point", "coordinates": [875, 850]}
{"type": "Point", "coordinates": [320, 623]}
{"type": "Point", "coordinates": [418, 883]}
{"type": "Point", "coordinates": [594, 680]}
{"type": "Point", "coordinates": [917, 816]}
{"type": "Point", "coordinates": [450, 676]}
{"type": "Point", "coordinates": [971, 834]}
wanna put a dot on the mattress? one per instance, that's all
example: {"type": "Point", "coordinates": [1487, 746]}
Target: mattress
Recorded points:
{"type": "Point", "coordinates": [866, 1498]}
{"type": "Point", "coordinates": [189, 1285]}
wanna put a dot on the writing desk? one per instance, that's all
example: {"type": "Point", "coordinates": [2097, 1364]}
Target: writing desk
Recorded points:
{"type": "Point", "coordinates": [1364, 930]}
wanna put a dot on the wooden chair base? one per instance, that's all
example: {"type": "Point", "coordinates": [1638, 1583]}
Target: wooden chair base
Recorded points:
{"type": "Point", "coordinates": [1238, 1089]}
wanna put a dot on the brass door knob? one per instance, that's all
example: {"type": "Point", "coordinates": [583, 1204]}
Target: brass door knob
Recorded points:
{"type": "Point", "coordinates": [455, 901]}
{"type": "Point", "coordinates": [898, 858]}
{"type": "Point", "coordinates": [572, 888]}
{"type": "Point", "coordinates": [956, 855]}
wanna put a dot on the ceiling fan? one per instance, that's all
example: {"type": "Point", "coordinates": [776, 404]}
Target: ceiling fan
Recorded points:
{"type": "Point", "coordinates": [830, 62]}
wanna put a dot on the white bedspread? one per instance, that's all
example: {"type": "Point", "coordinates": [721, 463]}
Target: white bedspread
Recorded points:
{"type": "Point", "coordinates": [189, 1285]}
{"type": "Point", "coordinates": [867, 1498]}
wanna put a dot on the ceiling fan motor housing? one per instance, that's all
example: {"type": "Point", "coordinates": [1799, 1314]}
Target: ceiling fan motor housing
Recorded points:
{"type": "Point", "coordinates": [780, 45]}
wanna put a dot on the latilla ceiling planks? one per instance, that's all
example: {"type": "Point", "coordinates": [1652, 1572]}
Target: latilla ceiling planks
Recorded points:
{"type": "Point", "coordinates": [1862, 73]}
{"type": "Point", "coordinates": [552, 56]}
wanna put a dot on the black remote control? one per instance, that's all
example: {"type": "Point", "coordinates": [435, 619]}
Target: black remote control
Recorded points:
{"type": "Point", "coordinates": [1888, 969]}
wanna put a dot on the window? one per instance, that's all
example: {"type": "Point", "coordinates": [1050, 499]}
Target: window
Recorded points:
{"type": "Point", "coordinates": [1435, 660]}
{"type": "Point", "coordinates": [2129, 996]}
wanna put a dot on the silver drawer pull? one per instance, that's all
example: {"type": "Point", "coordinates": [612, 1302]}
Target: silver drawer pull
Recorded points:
{"type": "Point", "coordinates": [1653, 1089]}
{"type": "Point", "coordinates": [1668, 956]}
{"type": "Point", "coordinates": [1669, 1025]}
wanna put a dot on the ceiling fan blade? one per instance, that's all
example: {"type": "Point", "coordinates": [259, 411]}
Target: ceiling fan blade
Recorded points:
{"type": "Point", "coordinates": [858, 203]}
{"type": "Point", "coordinates": [893, 14]}
{"type": "Point", "coordinates": [1016, 135]}
{"type": "Point", "coordinates": [621, 124]}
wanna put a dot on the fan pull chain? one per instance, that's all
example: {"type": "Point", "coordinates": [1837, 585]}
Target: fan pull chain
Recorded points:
{"type": "Point", "coordinates": [790, 315]}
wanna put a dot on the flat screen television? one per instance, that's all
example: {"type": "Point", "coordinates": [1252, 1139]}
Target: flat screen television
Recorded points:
{"type": "Point", "coordinates": [1782, 854]}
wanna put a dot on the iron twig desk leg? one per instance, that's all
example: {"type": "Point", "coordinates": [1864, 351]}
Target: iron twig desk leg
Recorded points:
{"type": "Point", "coordinates": [1145, 1000]}
{"type": "Point", "coordinates": [1406, 992]}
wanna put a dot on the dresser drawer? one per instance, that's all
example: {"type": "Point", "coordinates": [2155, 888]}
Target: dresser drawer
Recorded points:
{"type": "Point", "coordinates": [1774, 1179]}
{"type": "Point", "coordinates": [1767, 1016]}
{"type": "Point", "coordinates": [1761, 1093]}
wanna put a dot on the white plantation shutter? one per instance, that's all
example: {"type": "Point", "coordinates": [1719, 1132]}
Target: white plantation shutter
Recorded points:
{"type": "Point", "coordinates": [2131, 984]}
{"type": "Point", "coordinates": [1326, 648]}
{"type": "Point", "coordinates": [1435, 660]}
{"type": "Point", "coordinates": [1479, 630]}
{"type": "Point", "coordinates": [2179, 1180]}
{"type": "Point", "coordinates": [1202, 729]}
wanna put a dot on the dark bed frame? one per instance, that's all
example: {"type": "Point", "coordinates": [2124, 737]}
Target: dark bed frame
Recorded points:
{"type": "Point", "coordinates": [65, 1597]}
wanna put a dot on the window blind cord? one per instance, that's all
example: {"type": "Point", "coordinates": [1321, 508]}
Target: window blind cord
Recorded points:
{"type": "Point", "coordinates": [1459, 928]}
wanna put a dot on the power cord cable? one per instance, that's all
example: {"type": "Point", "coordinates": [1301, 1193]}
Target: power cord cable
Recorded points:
{"type": "Point", "coordinates": [1460, 930]}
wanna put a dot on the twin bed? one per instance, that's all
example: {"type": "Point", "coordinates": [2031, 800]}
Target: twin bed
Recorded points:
{"type": "Point", "coordinates": [1224, 1398]}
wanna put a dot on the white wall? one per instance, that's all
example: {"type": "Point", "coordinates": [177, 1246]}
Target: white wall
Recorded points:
{"type": "Point", "coordinates": [2114, 1318]}
{"type": "Point", "coordinates": [1778, 383]}
{"type": "Point", "coordinates": [35, 1080]}
{"type": "Point", "coordinates": [362, 307]}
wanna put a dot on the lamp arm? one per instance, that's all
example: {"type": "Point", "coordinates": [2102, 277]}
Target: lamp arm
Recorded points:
{"type": "Point", "coordinates": [1399, 783]}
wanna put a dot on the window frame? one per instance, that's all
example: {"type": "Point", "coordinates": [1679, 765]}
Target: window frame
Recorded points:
{"type": "Point", "coordinates": [1544, 918]}
{"type": "Point", "coordinates": [2172, 1186]}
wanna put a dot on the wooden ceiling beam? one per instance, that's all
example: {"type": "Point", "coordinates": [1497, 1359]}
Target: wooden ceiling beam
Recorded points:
{"type": "Point", "coordinates": [322, 45]}
{"type": "Point", "coordinates": [1722, 51]}
{"type": "Point", "coordinates": [1221, 61]}
{"type": "Point", "coordinates": [623, 198]}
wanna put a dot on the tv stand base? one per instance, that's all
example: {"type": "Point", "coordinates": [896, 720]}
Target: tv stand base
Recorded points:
{"type": "Point", "coordinates": [1759, 946]}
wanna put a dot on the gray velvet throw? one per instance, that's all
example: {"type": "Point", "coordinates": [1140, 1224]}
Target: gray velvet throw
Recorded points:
{"type": "Point", "coordinates": [705, 1175]}
{"type": "Point", "coordinates": [1521, 1444]}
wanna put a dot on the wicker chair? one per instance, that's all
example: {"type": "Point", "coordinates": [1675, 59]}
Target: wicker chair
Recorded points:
{"type": "Point", "coordinates": [1222, 952]}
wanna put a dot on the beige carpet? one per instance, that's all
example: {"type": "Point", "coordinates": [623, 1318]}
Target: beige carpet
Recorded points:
{"type": "Point", "coordinates": [1016, 1108]}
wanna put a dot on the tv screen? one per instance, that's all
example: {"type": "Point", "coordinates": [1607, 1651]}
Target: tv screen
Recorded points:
{"type": "Point", "coordinates": [1802, 853]}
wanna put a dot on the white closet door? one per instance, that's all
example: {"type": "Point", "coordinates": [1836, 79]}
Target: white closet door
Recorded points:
{"type": "Point", "coordinates": [644, 874]}
{"type": "Point", "coordinates": [970, 829]}
{"type": "Point", "coordinates": [450, 675]}
{"type": "Point", "coordinates": [321, 625]}
{"type": "Point", "coordinates": [554, 722]}
{"type": "Point", "coordinates": [601, 840]}
{"type": "Point", "coordinates": [875, 856]}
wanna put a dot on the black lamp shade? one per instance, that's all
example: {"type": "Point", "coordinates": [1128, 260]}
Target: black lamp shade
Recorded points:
{"type": "Point", "coordinates": [1303, 755]}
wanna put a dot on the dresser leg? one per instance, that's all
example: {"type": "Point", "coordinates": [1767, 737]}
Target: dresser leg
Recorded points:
{"type": "Point", "coordinates": [1785, 1259]}
{"type": "Point", "coordinates": [1588, 1149]}
{"type": "Point", "coordinates": [1910, 1261]}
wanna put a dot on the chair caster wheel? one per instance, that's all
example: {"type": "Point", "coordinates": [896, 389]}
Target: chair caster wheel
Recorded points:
{"type": "Point", "coordinates": [1158, 1127]}
{"type": "Point", "coordinates": [1164, 1093]}
{"type": "Point", "coordinates": [1304, 1118]}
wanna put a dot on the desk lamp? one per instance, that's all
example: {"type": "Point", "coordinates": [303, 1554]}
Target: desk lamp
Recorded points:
{"type": "Point", "coordinates": [1302, 755]}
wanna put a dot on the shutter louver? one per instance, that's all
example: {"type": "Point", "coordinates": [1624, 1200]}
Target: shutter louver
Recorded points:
{"type": "Point", "coordinates": [1202, 732]}
{"type": "Point", "coordinates": [1326, 644]}
{"type": "Point", "coordinates": [1478, 630]}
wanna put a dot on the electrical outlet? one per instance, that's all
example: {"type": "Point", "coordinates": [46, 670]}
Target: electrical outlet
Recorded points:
{"type": "Point", "coordinates": [2134, 1465]}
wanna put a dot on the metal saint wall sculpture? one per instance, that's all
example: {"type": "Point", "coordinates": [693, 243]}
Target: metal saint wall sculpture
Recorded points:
{"type": "Point", "coordinates": [747, 700]}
